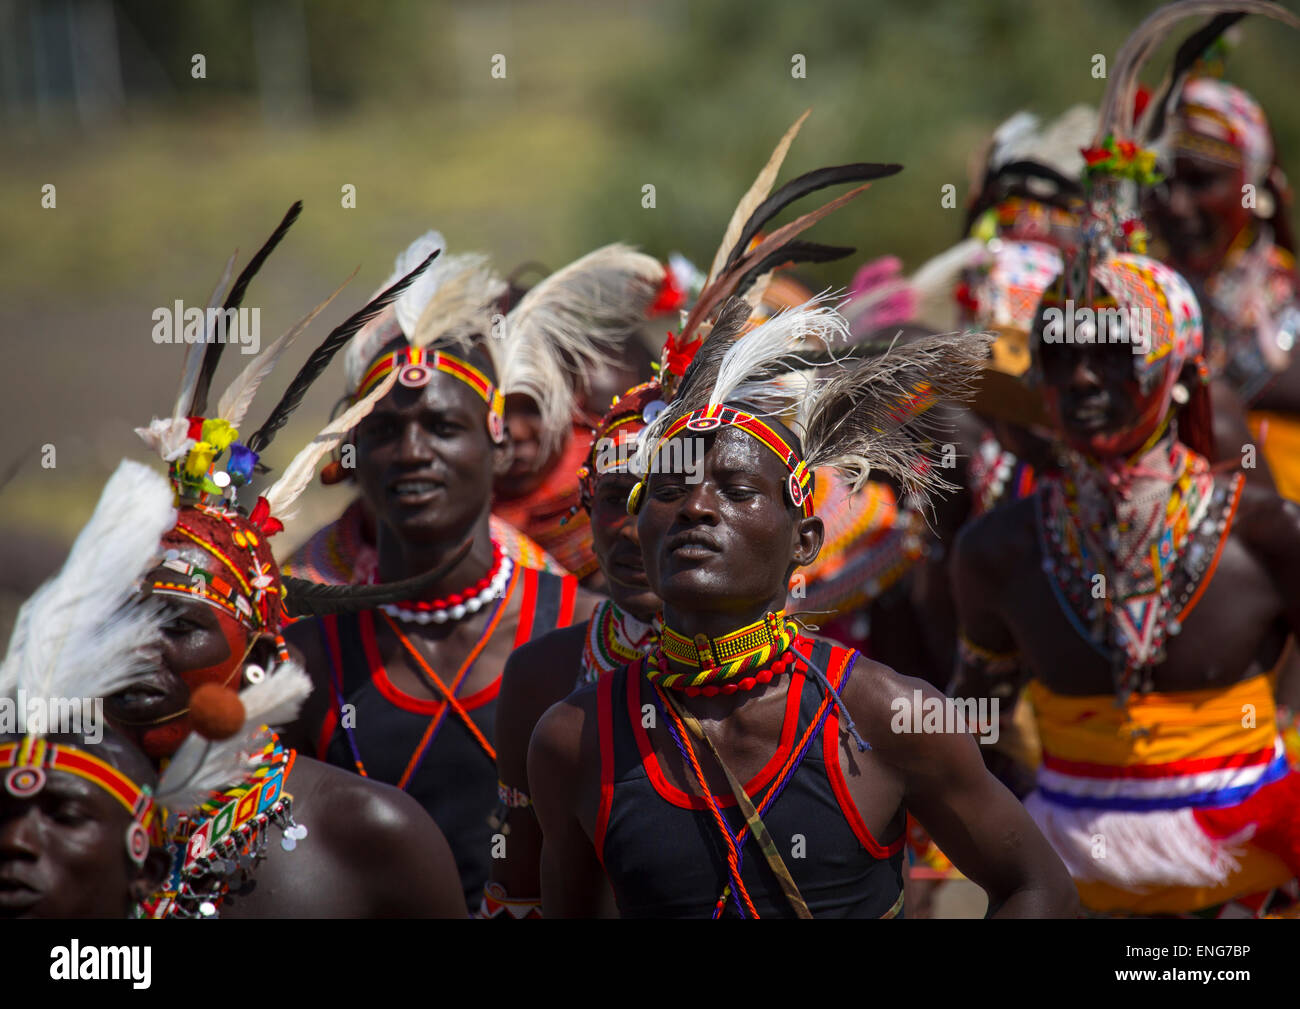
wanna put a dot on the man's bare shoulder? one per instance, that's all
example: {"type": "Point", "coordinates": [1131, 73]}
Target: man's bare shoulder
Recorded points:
{"type": "Point", "coordinates": [1001, 538]}
{"type": "Point", "coordinates": [566, 728]}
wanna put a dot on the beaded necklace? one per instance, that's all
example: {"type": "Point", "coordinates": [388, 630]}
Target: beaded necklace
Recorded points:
{"type": "Point", "coordinates": [458, 605]}
{"type": "Point", "coordinates": [228, 834]}
{"type": "Point", "coordinates": [740, 660]}
{"type": "Point", "coordinates": [614, 639]}
{"type": "Point", "coordinates": [1128, 553]}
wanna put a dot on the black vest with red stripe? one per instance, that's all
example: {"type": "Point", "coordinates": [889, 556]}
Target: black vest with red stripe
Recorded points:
{"type": "Point", "coordinates": [663, 852]}
{"type": "Point", "coordinates": [455, 780]}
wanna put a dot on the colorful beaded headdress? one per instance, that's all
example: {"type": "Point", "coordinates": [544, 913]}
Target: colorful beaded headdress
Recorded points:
{"type": "Point", "coordinates": [209, 464]}
{"type": "Point", "coordinates": [626, 418]}
{"type": "Point", "coordinates": [1221, 122]}
{"type": "Point", "coordinates": [562, 327]}
{"type": "Point", "coordinates": [80, 638]}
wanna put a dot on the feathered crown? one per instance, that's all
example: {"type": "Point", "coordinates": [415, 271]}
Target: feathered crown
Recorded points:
{"type": "Point", "coordinates": [563, 327]}
{"type": "Point", "coordinates": [244, 579]}
{"type": "Point", "coordinates": [742, 268]}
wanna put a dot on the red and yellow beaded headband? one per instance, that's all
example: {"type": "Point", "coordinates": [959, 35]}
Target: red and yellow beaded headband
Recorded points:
{"type": "Point", "coordinates": [417, 366]}
{"type": "Point", "coordinates": [798, 486]}
{"type": "Point", "coordinates": [27, 766]}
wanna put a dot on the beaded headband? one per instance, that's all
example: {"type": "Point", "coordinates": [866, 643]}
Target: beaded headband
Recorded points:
{"type": "Point", "coordinates": [798, 486]}
{"type": "Point", "coordinates": [415, 367]}
{"type": "Point", "coordinates": [28, 764]}
{"type": "Point", "coordinates": [639, 406]}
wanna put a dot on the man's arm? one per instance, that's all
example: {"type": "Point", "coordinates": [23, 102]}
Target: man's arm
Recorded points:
{"type": "Point", "coordinates": [564, 767]}
{"type": "Point", "coordinates": [977, 822]}
{"type": "Point", "coordinates": [537, 674]}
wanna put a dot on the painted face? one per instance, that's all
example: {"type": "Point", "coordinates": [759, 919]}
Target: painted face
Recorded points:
{"type": "Point", "coordinates": [727, 541]}
{"type": "Point", "coordinates": [618, 546]}
{"type": "Point", "coordinates": [1198, 212]}
{"type": "Point", "coordinates": [425, 460]}
{"type": "Point", "coordinates": [1094, 397]}
{"type": "Point", "coordinates": [63, 850]}
{"type": "Point", "coordinates": [201, 643]}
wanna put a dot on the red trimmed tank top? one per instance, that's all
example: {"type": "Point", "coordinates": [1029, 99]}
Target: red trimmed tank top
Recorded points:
{"type": "Point", "coordinates": [662, 850]}
{"type": "Point", "coordinates": [454, 779]}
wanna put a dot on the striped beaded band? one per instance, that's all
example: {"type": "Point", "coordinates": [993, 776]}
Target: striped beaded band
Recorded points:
{"type": "Point", "coordinates": [723, 659]}
{"type": "Point", "coordinates": [29, 762]}
{"type": "Point", "coordinates": [417, 367]}
{"type": "Point", "coordinates": [799, 485]}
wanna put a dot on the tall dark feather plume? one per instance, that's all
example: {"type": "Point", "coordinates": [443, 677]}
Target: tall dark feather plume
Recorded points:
{"type": "Point", "coordinates": [793, 252]}
{"type": "Point", "coordinates": [870, 416]}
{"type": "Point", "coordinates": [797, 189]}
{"type": "Point", "coordinates": [311, 599]}
{"type": "Point", "coordinates": [728, 281]}
{"type": "Point", "coordinates": [1188, 53]}
{"type": "Point", "coordinates": [324, 354]}
{"type": "Point", "coordinates": [212, 355]}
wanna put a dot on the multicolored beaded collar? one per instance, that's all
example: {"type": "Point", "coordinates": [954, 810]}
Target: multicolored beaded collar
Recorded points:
{"type": "Point", "coordinates": [29, 763]}
{"type": "Point", "coordinates": [614, 639]}
{"type": "Point", "coordinates": [741, 660]}
{"type": "Point", "coordinates": [225, 836]}
{"type": "Point", "coordinates": [798, 486]}
{"type": "Point", "coordinates": [416, 367]}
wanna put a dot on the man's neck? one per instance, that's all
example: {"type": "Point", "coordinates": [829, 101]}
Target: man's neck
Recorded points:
{"type": "Point", "coordinates": [716, 623]}
{"type": "Point", "coordinates": [401, 558]}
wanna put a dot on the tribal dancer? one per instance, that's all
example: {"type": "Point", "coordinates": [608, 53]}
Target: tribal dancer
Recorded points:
{"type": "Point", "coordinates": [1237, 254]}
{"type": "Point", "coordinates": [618, 770]}
{"type": "Point", "coordinates": [541, 672]}
{"type": "Point", "coordinates": [1155, 790]}
{"type": "Point", "coordinates": [80, 825]}
{"type": "Point", "coordinates": [225, 630]}
{"type": "Point", "coordinates": [410, 689]}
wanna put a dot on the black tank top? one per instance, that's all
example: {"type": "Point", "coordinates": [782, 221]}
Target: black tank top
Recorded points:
{"type": "Point", "coordinates": [421, 744]}
{"type": "Point", "coordinates": [663, 852]}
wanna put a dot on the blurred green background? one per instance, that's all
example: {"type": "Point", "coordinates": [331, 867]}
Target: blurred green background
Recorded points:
{"type": "Point", "coordinates": [160, 175]}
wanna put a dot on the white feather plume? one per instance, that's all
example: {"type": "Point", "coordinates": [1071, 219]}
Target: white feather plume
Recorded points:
{"type": "Point", "coordinates": [201, 767]}
{"type": "Point", "coordinates": [569, 323]}
{"type": "Point", "coordinates": [461, 308]}
{"type": "Point", "coordinates": [79, 634]}
{"type": "Point", "coordinates": [299, 473]}
{"type": "Point", "coordinates": [238, 397]}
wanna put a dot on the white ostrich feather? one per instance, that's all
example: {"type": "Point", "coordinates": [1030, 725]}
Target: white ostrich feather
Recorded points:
{"type": "Point", "coordinates": [569, 323]}
{"type": "Point", "coordinates": [79, 634]}
{"type": "Point", "coordinates": [461, 307]}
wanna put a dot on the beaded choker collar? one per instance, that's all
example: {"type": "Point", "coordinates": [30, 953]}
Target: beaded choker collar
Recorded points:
{"type": "Point", "coordinates": [740, 660]}
{"type": "Point", "coordinates": [798, 486]}
{"type": "Point", "coordinates": [415, 366]}
{"type": "Point", "coordinates": [461, 604]}
{"type": "Point", "coordinates": [614, 639]}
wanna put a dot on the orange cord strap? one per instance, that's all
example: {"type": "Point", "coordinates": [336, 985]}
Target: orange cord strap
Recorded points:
{"type": "Point", "coordinates": [1214, 561]}
{"type": "Point", "coordinates": [449, 693]}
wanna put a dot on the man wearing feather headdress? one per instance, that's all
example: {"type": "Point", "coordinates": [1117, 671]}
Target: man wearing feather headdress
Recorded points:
{"type": "Point", "coordinates": [229, 778]}
{"type": "Point", "coordinates": [409, 691]}
{"type": "Point", "coordinates": [1146, 593]}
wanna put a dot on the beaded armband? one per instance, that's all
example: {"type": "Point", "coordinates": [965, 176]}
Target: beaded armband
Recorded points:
{"type": "Point", "coordinates": [1000, 669]}
{"type": "Point", "coordinates": [496, 904]}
